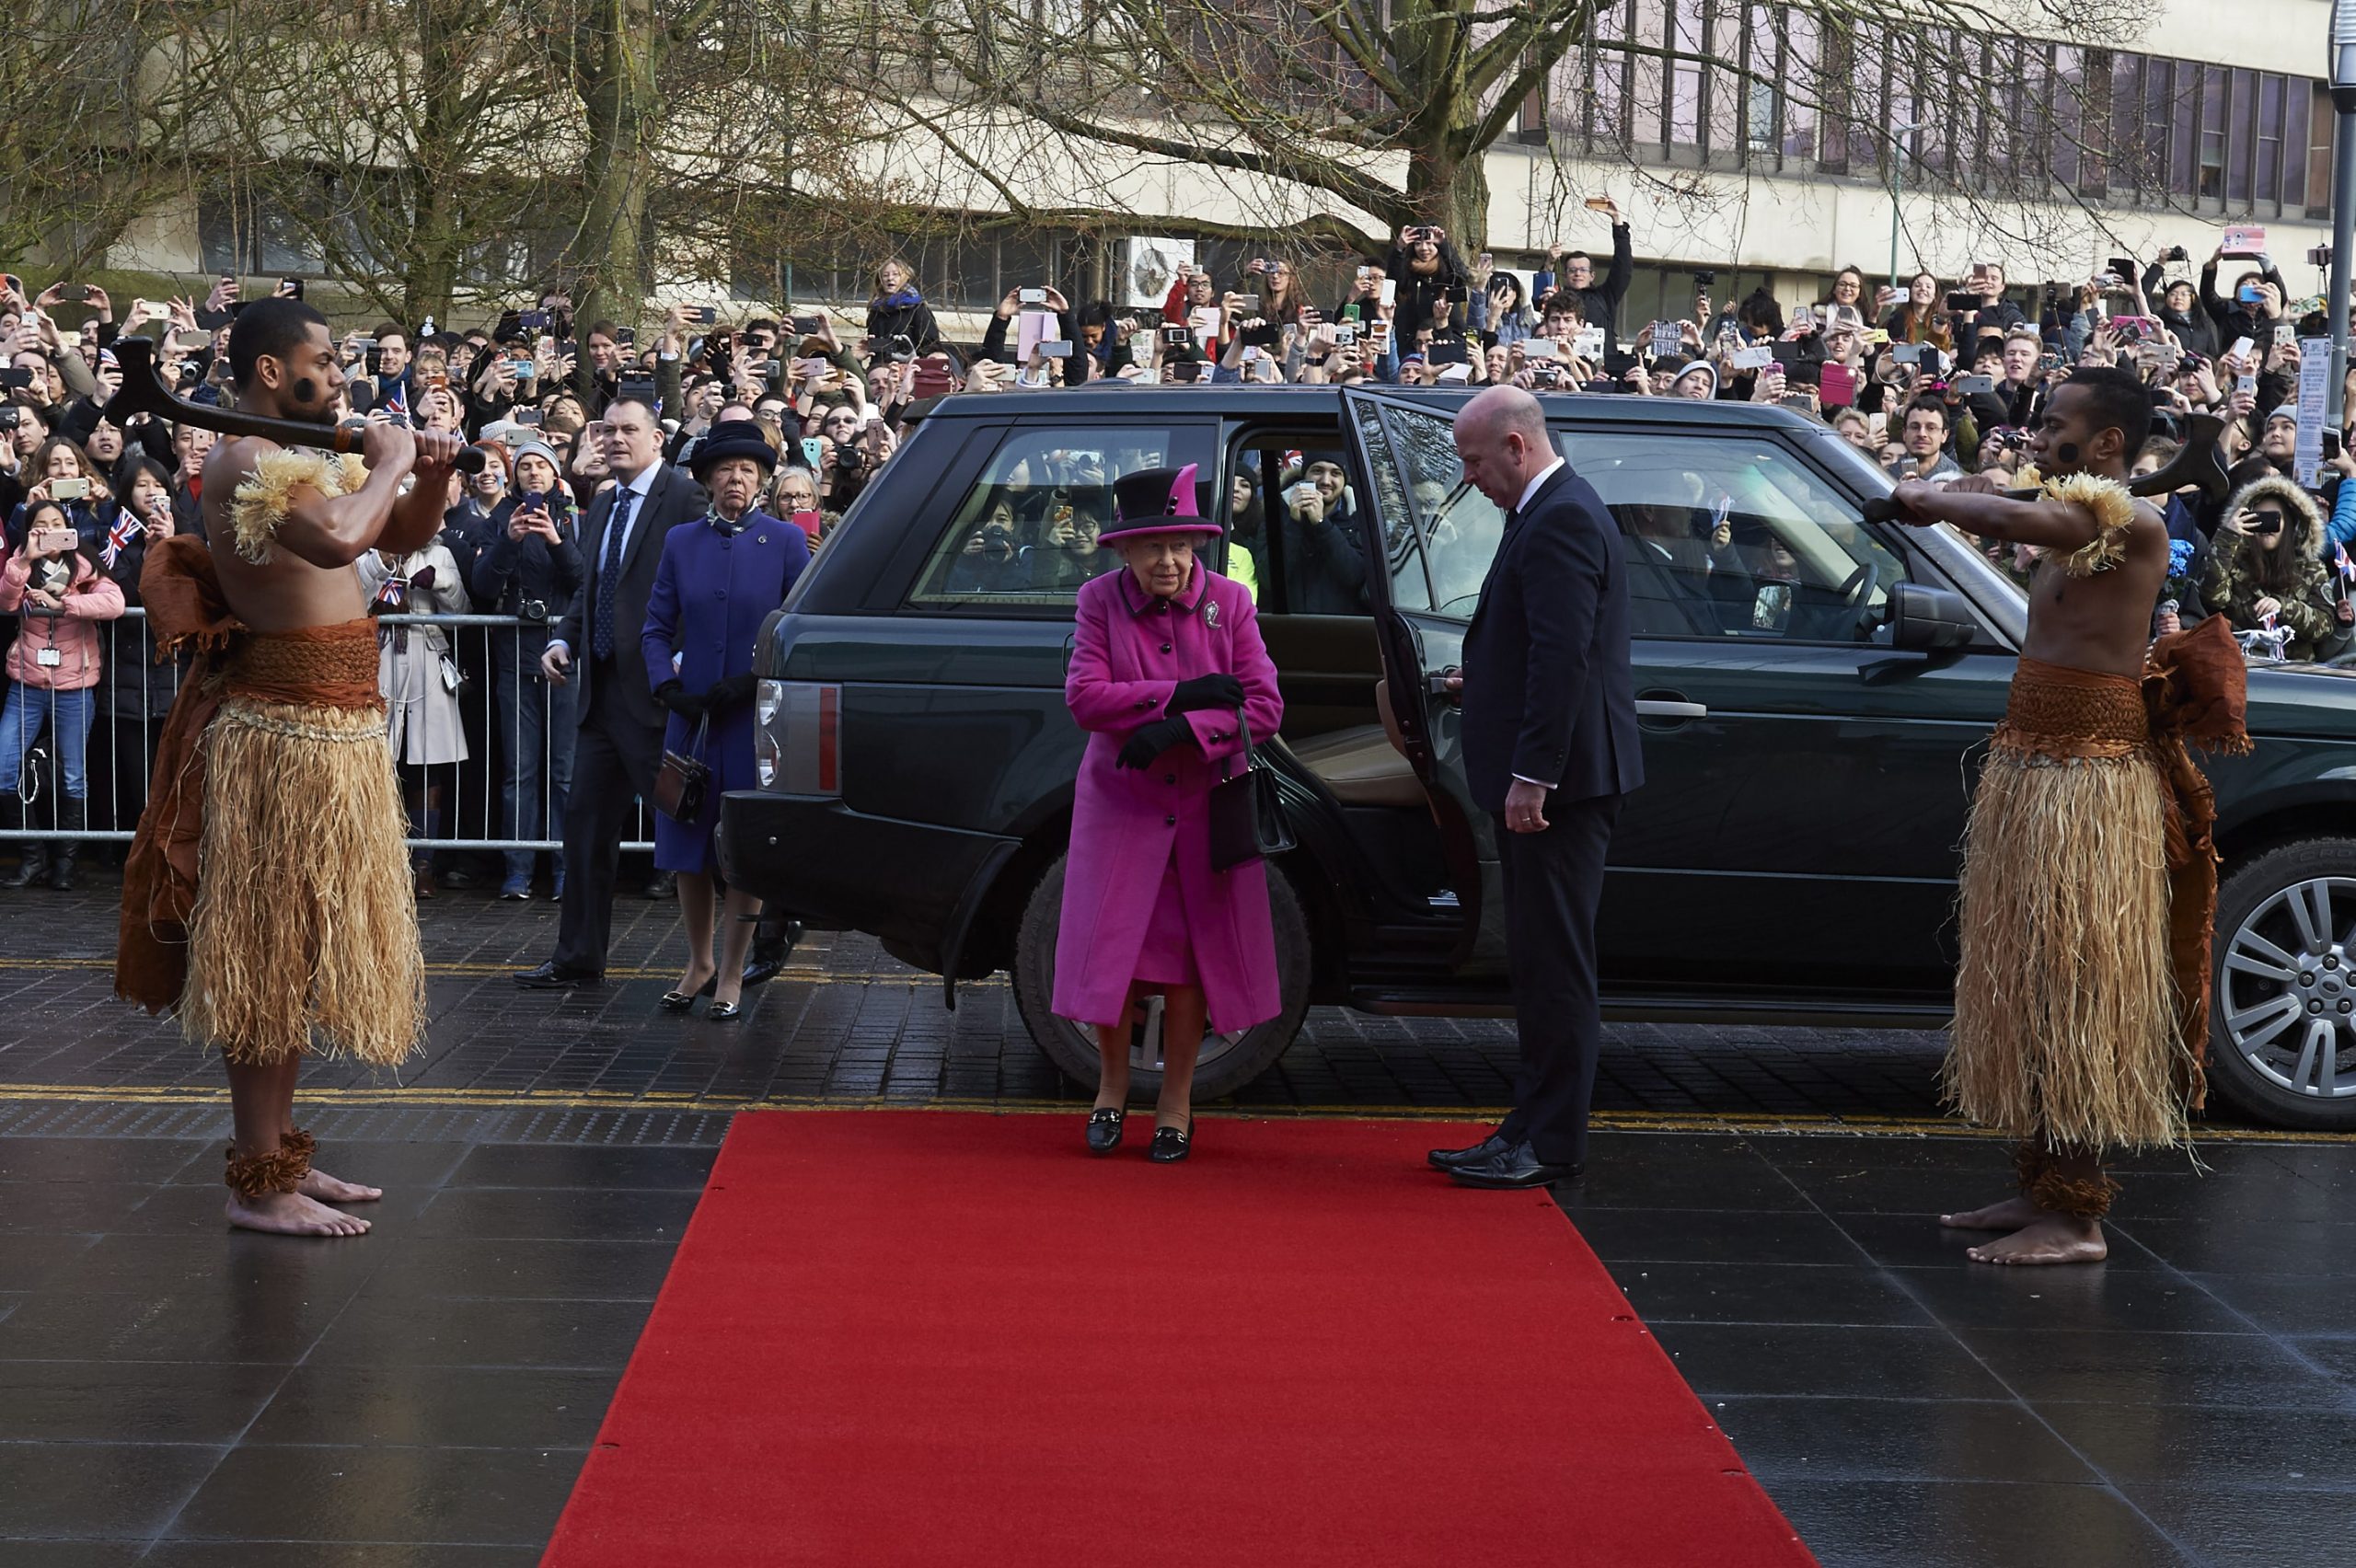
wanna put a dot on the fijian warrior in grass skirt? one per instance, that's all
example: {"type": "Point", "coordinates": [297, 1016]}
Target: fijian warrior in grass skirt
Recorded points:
{"type": "Point", "coordinates": [267, 897]}
{"type": "Point", "coordinates": [2089, 879]}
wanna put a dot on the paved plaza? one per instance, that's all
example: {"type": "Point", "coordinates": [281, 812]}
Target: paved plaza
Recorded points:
{"type": "Point", "coordinates": [178, 1395]}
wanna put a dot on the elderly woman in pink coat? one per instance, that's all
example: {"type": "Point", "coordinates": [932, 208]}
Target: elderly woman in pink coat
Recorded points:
{"type": "Point", "coordinates": [1167, 653]}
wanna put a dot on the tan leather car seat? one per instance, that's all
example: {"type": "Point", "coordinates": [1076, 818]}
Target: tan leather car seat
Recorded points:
{"type": "Point", "coordinates": [1363, 765]}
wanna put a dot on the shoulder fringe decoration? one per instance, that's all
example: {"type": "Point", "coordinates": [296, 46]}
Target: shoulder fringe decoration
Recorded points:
{"type": "Point", "coordinates": [260, 503]}
{"type": "Point", "coordinates": [2114, 511]}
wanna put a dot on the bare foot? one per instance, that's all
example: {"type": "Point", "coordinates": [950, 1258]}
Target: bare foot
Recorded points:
{"type": "Point", "coordinates": [292, 1214]}
{"type": "Point", "coordinates": [2052, 1239]}
{"type": "Point", "coordinates": [2010, 1214]}
{"type": "Point", "coordinates": [334, 1190]}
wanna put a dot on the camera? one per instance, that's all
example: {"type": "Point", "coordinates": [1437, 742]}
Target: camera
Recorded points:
{"type": "Point", "coordinates": [1960, 301]}
{"type": "Point", "coordinates": [534, 609]}
{"type": "Point", "coordinates": [901, 349]}
{"type": "Point", "coordinates": [1248, 304]}
{"type": "Point", "coordinates": [15, 380]}
{"type": "Point", "coordinates": [2174, 253]}
{"type": "Point", "coordinates": [11, 416]}
{"type": "Point", "coordinates": [533, 320]}
{"type": "Point", "coordinates": [1705, 280]}
{"type": "Point", "coordinates": [1906, 353]}
{"type": "Point", "coordinates": [1056, 349]}
{"type": "Point", "coordinates": [1177, 337]}
{"type": "Point", "coordinates": [69, 490]}
{"type": "Point", "coordinates": [1030, 296]}
{"type": "Point", "coordinates": [1345, 334]}
{"type": "Point", "coordinates": [805, 325]}
{"type": "Point", "coordinates": [706, 315]}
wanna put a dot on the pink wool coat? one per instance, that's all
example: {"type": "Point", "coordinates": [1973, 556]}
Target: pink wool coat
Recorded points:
{"type": "Point", "coordinates": [1131, 652]}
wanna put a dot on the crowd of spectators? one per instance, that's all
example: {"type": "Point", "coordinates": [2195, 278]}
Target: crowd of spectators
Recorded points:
{"type": "Point", "coordinates": [1930, 379]}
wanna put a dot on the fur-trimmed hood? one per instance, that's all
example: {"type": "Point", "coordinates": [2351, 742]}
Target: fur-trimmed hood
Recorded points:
{"type": "Point", "coordinates": [2305, 513]}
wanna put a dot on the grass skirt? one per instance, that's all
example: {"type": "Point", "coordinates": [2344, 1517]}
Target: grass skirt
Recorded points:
{"type": "Point", "coordinates": [305, 917]}
{"type": "Point", "coordinates": [2066, 1025]}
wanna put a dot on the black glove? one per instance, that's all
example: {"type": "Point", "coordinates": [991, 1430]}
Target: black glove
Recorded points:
{"type": "Point", "coordinates": [729, 691]}
{"type": "Point", "coordinates": [680, 700]}
{"type": "Point", "coordinates": [1206, 691]}
{"type": "Point", "coordinates": [1152, 741]}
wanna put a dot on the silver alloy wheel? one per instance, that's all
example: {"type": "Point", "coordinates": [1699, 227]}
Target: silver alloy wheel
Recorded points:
{"type": "Point", "coordinates": [2289, 989]}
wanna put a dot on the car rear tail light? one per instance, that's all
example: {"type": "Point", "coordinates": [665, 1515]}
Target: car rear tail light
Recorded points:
{"type": "Point", "coordinates": [797, 749]}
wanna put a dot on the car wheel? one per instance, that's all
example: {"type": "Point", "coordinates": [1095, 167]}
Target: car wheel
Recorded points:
{"type": "Point", "coordinates": [2282, 1023]}
{"type": "Point", "coordinates": [1226, 1063]}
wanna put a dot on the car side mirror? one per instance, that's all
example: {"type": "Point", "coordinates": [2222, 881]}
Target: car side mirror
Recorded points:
{"type": "Point", "coordinates": [1922, 616]}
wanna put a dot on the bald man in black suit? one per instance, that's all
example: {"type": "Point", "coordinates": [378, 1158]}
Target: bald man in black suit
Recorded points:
{"type": "Point", "coordinates": [1551, 748]}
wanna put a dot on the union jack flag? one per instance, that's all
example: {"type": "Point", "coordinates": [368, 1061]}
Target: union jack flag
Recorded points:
{"type": "Point", "coordinates": [119, 532]}
{"type": "Point", "coordinates": [394, 594]}
{"type": "Point", "coordinates": [2347, 567]}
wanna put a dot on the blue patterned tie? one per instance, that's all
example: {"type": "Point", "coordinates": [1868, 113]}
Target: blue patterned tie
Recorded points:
{"type": "Point", "coordinates": [609, 575]}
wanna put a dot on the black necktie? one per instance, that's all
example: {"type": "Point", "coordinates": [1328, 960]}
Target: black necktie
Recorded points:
{"type": "Point", "coordinates": [609, 574]}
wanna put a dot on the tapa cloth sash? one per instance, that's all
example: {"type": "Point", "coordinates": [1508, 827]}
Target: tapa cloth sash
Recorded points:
{"type": "Point", "coordinates": [323, 666]}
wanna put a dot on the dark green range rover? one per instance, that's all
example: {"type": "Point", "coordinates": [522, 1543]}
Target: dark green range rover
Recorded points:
{"type": "Point", "coordinates": [1815, 693]}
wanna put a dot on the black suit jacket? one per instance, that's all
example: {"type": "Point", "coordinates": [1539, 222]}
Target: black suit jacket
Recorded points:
{"type": "Point", "coordinates": [672, 500]}
{"type": "Point", "coordinates": [1548, 692]}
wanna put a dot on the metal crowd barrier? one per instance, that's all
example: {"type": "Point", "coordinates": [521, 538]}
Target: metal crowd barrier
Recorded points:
{"type": "Point", "coordinates": [502, 709]}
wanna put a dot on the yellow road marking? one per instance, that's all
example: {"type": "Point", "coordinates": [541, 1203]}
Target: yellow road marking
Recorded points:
{"type": "Point", "coordinates": [1730, 1122]}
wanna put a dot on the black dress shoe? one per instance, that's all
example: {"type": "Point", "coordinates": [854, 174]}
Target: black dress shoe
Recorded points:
{"type": "Point", "coordinates": [1104, 1128]}
{"type": "Point", "coordinates": [723, 1012]}
{"type": "Point", "coordinates": [661, 885]}
{"type": "Point", "coordinates": [680, 1001]}
{"type": "Point", "coordinates": [1170, 1145]}
{"type": "Point", "coordinates": [1515, 1165]}
{"type": "Point", "coordinates": [555, 977]}
{"type": "Point", "coordinates": [1452, 1158]}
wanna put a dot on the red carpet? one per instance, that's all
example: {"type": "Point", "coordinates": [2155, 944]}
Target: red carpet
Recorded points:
{"type": "Point", "coordinates": [934, 1338]}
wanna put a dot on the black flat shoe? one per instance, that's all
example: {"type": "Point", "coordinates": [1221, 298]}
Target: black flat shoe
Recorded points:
{"type": "Point", "coordinates": [1170, 1145]}
{"type": "Point", "coordinates": [680, 1001]}
{"type": "Point", "coordinates": [1104, 1128]}
{"type": "Point", "coordinates": [723, 1012]}
{"type": "Point", "coordinates": [1455, 1158]}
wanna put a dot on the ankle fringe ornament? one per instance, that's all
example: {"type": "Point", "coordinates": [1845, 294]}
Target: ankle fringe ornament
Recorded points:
{"type": "Point", "coordinates": [280, 1170]}
{"type": "Point", "coordinates": [2043, 1184]}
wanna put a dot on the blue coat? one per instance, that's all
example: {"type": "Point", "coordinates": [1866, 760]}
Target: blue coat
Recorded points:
{"type": "Point", "coordinates": [712, 591]}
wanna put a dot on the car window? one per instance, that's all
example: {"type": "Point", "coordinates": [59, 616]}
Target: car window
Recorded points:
{"type": "Point", "coordinates": [1295, 515]}
{"type": "Point", "coordinates": [1024, 534]}
{"type": "Point", "coordinates": [1439, 533]}
{"type": "Point", "coordinates": [1729, 537]}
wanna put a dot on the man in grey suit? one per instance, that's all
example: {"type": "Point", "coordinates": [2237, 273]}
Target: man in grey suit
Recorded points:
{"type": "Point", "coordinates": [1551, 748]}
{"type": "Point", "coordinates": [596, 649]}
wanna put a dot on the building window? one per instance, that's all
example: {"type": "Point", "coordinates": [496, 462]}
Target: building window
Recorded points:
{"type": "Point", "coordinates": [2212, 135]}
{"type": "Point", "coordinates": [2270, 140]}
{"type": "Point", "coordinates": [2240, 112]}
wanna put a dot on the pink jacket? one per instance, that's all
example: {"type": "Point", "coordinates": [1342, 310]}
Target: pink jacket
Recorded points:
{"type": "Point", "coordinates": [73, 631]}
{"type": "Point", "coordinates": [1129, 654]}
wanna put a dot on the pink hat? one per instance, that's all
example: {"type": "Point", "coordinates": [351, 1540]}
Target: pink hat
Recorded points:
{"type": "Point", "coordinates": [1157, 501]}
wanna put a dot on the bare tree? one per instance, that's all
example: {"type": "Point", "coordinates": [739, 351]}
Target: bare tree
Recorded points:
{"type": "Point", "coordinates": [94, 127]}
{"type": "Point", "coordinates": [1342, 120]}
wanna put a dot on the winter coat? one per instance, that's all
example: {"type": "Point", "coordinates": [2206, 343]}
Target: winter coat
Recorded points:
{"type": "Point", "coordinates": [713, 588]}
{"type": "Point", "coordinates": [2233, 589]}
{"type": "Point", "coordinates": [1128, 825]}
{"type": "Point", "coordinates": [71, 630]}
{"type": "Point", "coordinates": [902, 315]}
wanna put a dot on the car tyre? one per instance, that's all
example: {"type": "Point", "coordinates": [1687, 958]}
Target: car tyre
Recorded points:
{"type": "Point", "coordinates": [2262, 1019]}
{"type": "Point", "coordinates": [1224, 1065]}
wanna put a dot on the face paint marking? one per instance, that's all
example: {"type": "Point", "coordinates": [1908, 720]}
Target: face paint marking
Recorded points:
{"type": "Point", "coordinates": [2067, 452]}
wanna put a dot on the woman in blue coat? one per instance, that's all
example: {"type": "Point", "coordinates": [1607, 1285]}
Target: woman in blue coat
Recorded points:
{"type": "Point", "coordinates": [719, 579]}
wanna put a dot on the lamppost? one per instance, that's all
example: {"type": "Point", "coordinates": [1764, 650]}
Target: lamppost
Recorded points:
{"type": "Point", "coordinates": [1898, 134]}
{"type": "Point", "coordinates": [2343, 202]}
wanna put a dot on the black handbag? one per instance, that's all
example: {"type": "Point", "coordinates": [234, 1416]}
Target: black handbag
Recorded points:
{"type": "Point", "coordinates": [1247, 817]}
{"type": "Point", "coordinates": [680, 782]}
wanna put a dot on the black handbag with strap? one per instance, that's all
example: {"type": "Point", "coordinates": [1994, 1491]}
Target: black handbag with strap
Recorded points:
{"type": "Point", "coordinates": [1247, 817]}
{"type": "Point", "coordinates": [680, 782]}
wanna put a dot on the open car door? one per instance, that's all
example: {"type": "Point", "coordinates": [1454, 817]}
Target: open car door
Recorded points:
{"type": "Point", "coordinates": [1429, 538]}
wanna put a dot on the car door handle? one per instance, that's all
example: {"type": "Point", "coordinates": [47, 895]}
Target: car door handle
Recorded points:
{"type": "Point", "coordinates": [1661, 708]}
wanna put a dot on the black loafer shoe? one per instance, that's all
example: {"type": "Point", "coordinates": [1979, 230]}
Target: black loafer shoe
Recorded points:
{"type": "Point", "coordinates": [761, 971]}
{"type": "Point", "coordinates": [554, 977]}
{"type": "Point", "coordinates": [723, 1012]}
{"type": "Point", "coordinates": [1170, 1145]}
{"type": "Point", "coordinates": [1452, 1158]}
{"type": "Point", "coordinates": [1104, 1128]}
{"type": "Point", "coordinates": [681, 1001]}
{"type": "Point", "coordinates": [1515, 1165]}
